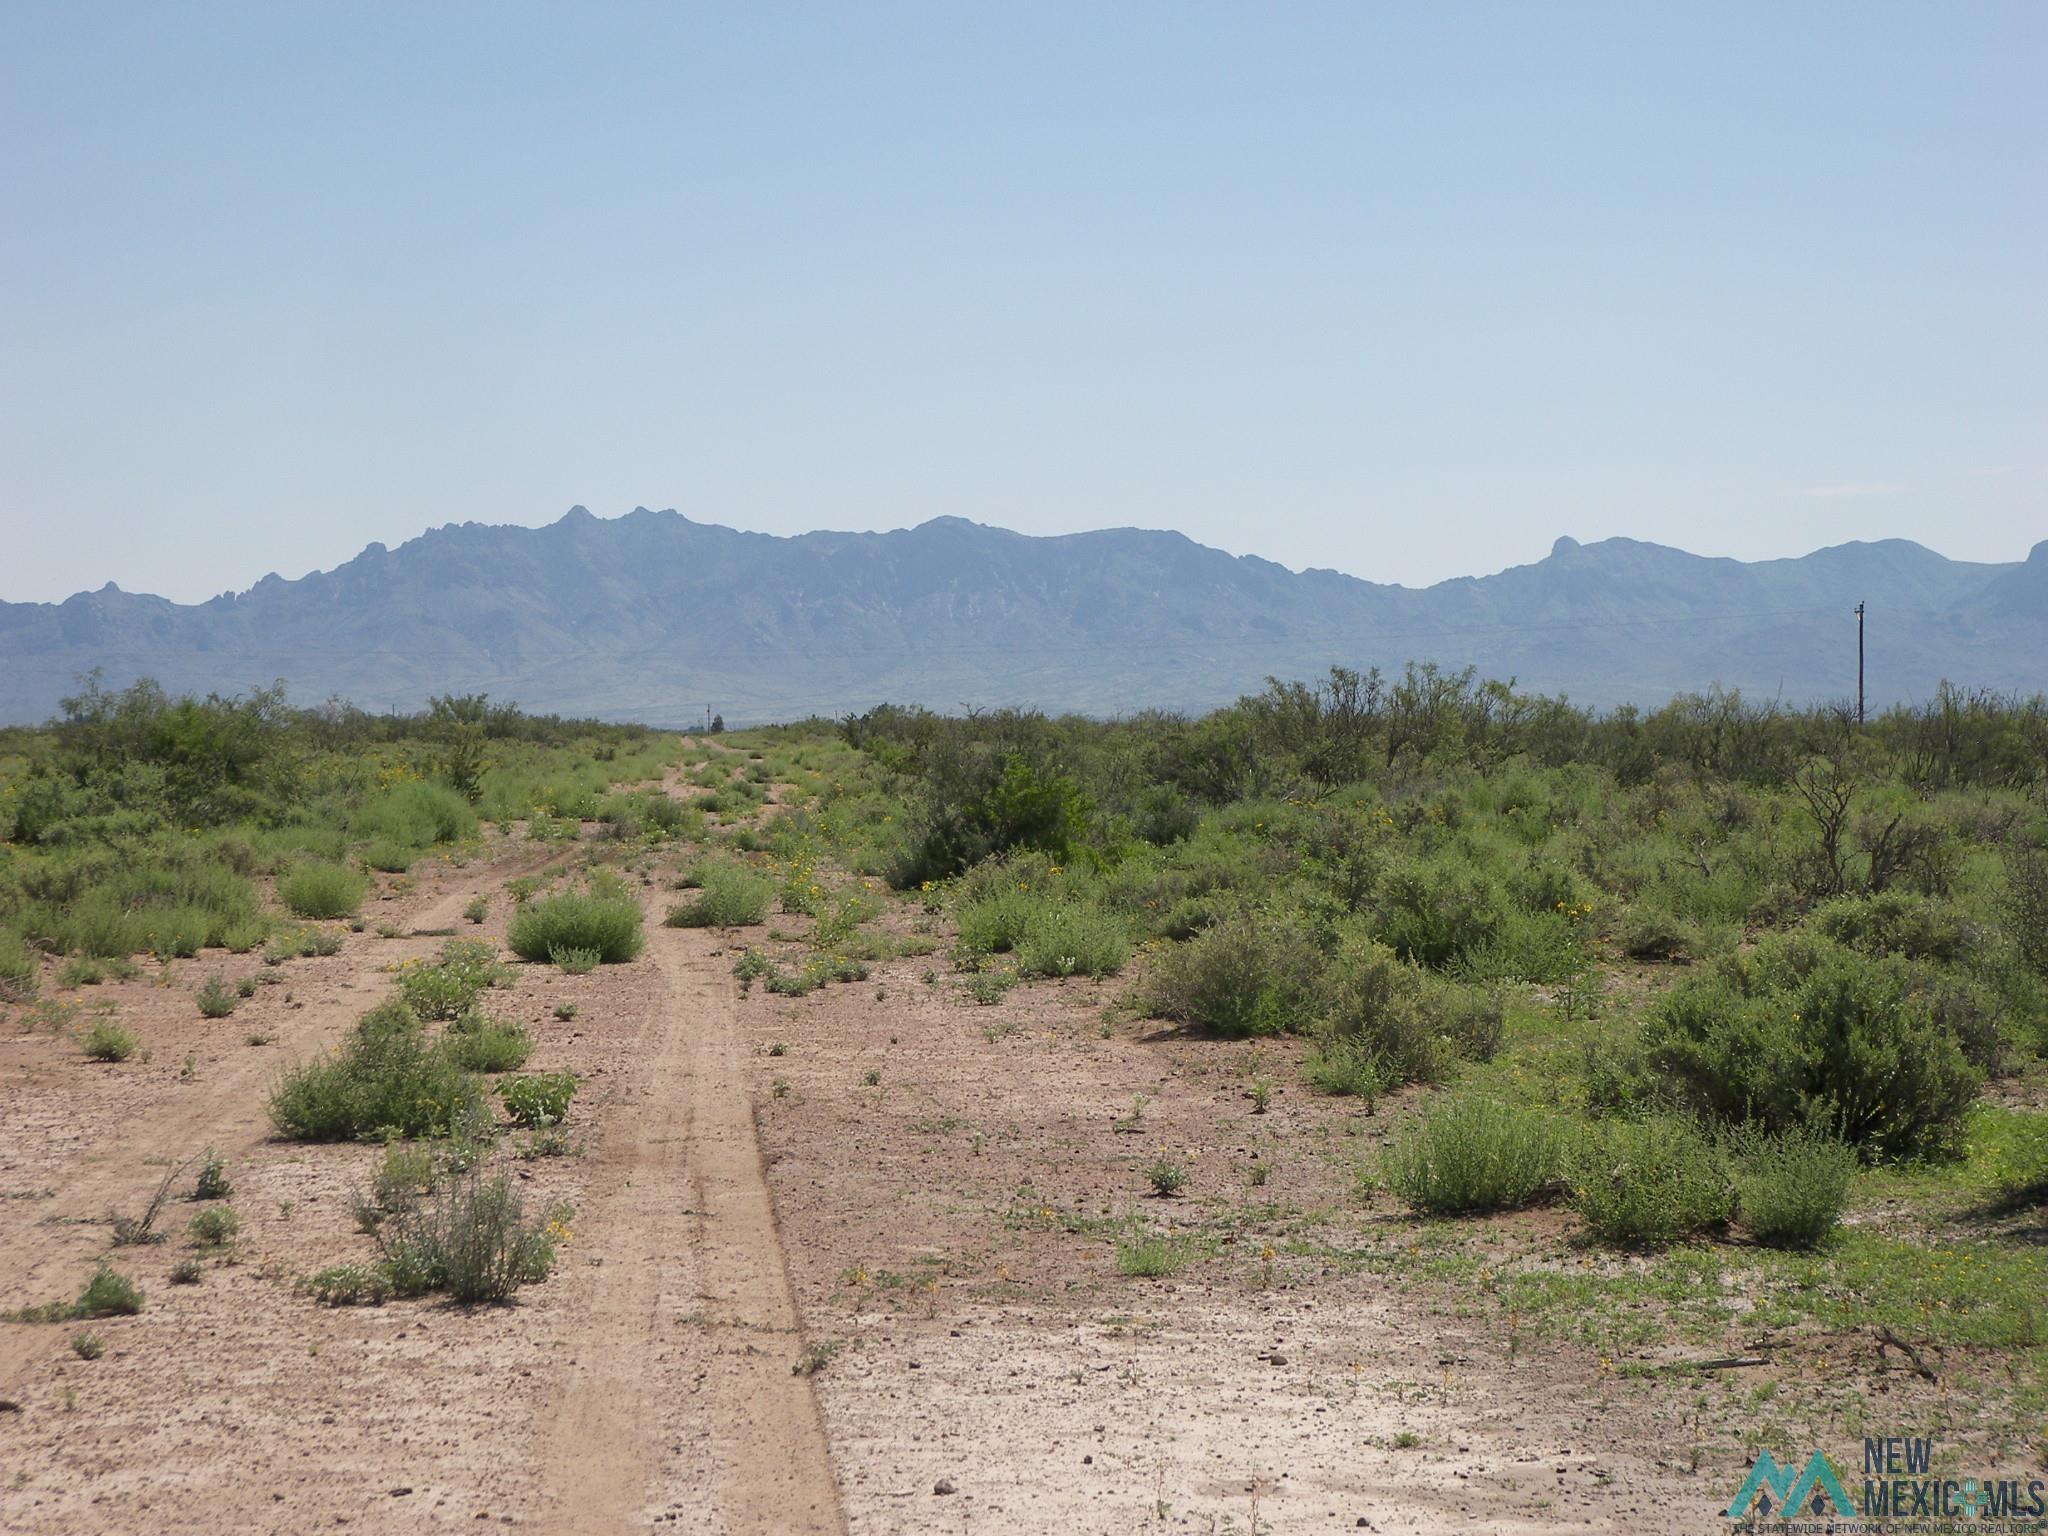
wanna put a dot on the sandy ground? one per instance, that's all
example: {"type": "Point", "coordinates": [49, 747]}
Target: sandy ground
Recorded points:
{"type": "Point", "coordinates": [939, 1224]}
{"type": "Point", "coordinates": [928, 1246]}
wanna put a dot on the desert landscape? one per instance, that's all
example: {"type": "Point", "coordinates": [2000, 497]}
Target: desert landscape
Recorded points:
{"type": "Point", "coordinates": [1023, 770]}
{"type": "Point", "coordinates": [749, 1173]}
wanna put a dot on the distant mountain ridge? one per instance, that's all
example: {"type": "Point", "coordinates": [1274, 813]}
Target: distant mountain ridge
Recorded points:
{"type": "Point", "coordinates": [654, 617]}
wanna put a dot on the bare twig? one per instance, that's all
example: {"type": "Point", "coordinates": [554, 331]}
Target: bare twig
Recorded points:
{"type": "Point", "coordinates": [1885, 1336]}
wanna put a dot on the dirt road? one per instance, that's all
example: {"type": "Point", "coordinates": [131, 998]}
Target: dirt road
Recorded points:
{"type": "Point", "coordinates": [693, 1285]}
{"type": "Point", "coordinates": [650, 1382]}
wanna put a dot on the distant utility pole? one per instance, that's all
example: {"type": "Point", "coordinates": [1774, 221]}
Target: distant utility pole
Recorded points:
{"type": "Point", "coordinates": [1859, 663]}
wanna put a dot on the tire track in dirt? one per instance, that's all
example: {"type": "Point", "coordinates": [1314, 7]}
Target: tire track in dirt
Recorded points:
{"type": "Point", "coordinates": [690, 1328]}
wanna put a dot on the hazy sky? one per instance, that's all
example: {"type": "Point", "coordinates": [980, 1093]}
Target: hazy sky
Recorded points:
{"type": "Point", "coordinates": [1407, 290]}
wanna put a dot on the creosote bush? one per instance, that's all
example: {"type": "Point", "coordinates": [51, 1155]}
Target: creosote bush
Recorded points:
{"type": "Point", "coordinates": [1804, 1033]}
{"type": "Point", "coordinates": [1474, 1153]}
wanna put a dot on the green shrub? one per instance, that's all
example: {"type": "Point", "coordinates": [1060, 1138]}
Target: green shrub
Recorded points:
{"type": "Point", "coordinates": [78, 971]}
{"type": "Point", "coordinates": [731, 896]}
{"type": "Point", "coordinates": [216, 999]}
{"type": "Point", "coordinates": [1801, 1032]}
{"type": "Point", "coordinates": [574, 962]}
{"type": "Point", "coordinates": [214, 1227]}
{"type": "Point", "coordinates": [1790, 1190]}
{"type": "Point", "coordinates": [1436, 911]}
{"type": "Point", "coordinates": [2024, 905]}
{"type": "Point", "coordinates": [88, 1345]}
{"type": "Point", "coordinates": [478, 909]}
{"type": "Point", "coordinates": [1167, 1176]}
{"type": "Point", "coordinates": [240, 938]}
{"type": "Point", "coordinates": [170, 906]}
{"type": "Point", "coordinates": [110, 1040]}
{"type": "Point", "coordinates": [387, 1078]}
{"type": "Point", "coordinates": [108, 1293]}
{"type": "Point", "coordinates": [1382, 1007]}
{"type": "Point", "coordinates": [472, 1241]}
{"type": "Point", "coordinates": [1344, 1066]}
{"type": "Point", "coordinates": [1899, 923]}
{"type": "Point", "coordinates": [541, 1099]}
{"type": "Point", "coordinates": [604, 918]}
{"type": "Point", "coordinates": [389, 857]}
{"type": "Point", "coordinates": [1152, 1257]}
{"type": "Point", "coordinates": [416, 814]}
{"type": "Point", "coordinates": [1073, 938]}
{"type": "Point", "coordinates": [1473, 1153]}
{"type": "Point", "coordinates": [213, 1182]}
{"type": "Point", "coordinates": [1251, 974]}
{"type": "Point", "coordinates": [978, 802]}
{"type": "Point", "coordinates": [20, 978]}
{"type": "Point", "coordinates": [349, 1285]}
{"type": "Point", "coordinates": [1651, 933]}
{"type": "Point", "coordinates": [449, 986]}
{"type": "Point", "coordinates": [1648, 1182]}
{"type": "Point", "coordinates": [993, 920]}
{"type": "Point", "coordinates": [479, 1044]}
{"type": "Point", "coordinates": [322, 890]}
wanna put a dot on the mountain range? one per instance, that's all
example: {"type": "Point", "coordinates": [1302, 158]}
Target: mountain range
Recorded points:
{"type": "Point", "coordinates": [658, 618]}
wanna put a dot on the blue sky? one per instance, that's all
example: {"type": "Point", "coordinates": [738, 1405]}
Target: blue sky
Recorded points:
{"type": "Point", "coordinates": [1404, 290]}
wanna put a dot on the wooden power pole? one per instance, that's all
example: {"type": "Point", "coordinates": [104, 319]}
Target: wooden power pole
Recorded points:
{"type": "Point", "coordinates": [1859, 664]}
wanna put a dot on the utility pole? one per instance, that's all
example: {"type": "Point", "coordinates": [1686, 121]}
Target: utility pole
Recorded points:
{"type": "Point", "coordinates": [1859, 664]}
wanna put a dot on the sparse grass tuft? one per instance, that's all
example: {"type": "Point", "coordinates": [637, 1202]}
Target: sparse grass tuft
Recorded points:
{"type": "Point", "coordinates": [1152, 1257]}
{"type": "Point", "coordinates": [110, 1040]}
{"type": "Point", "coordinates": [216, 999]}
